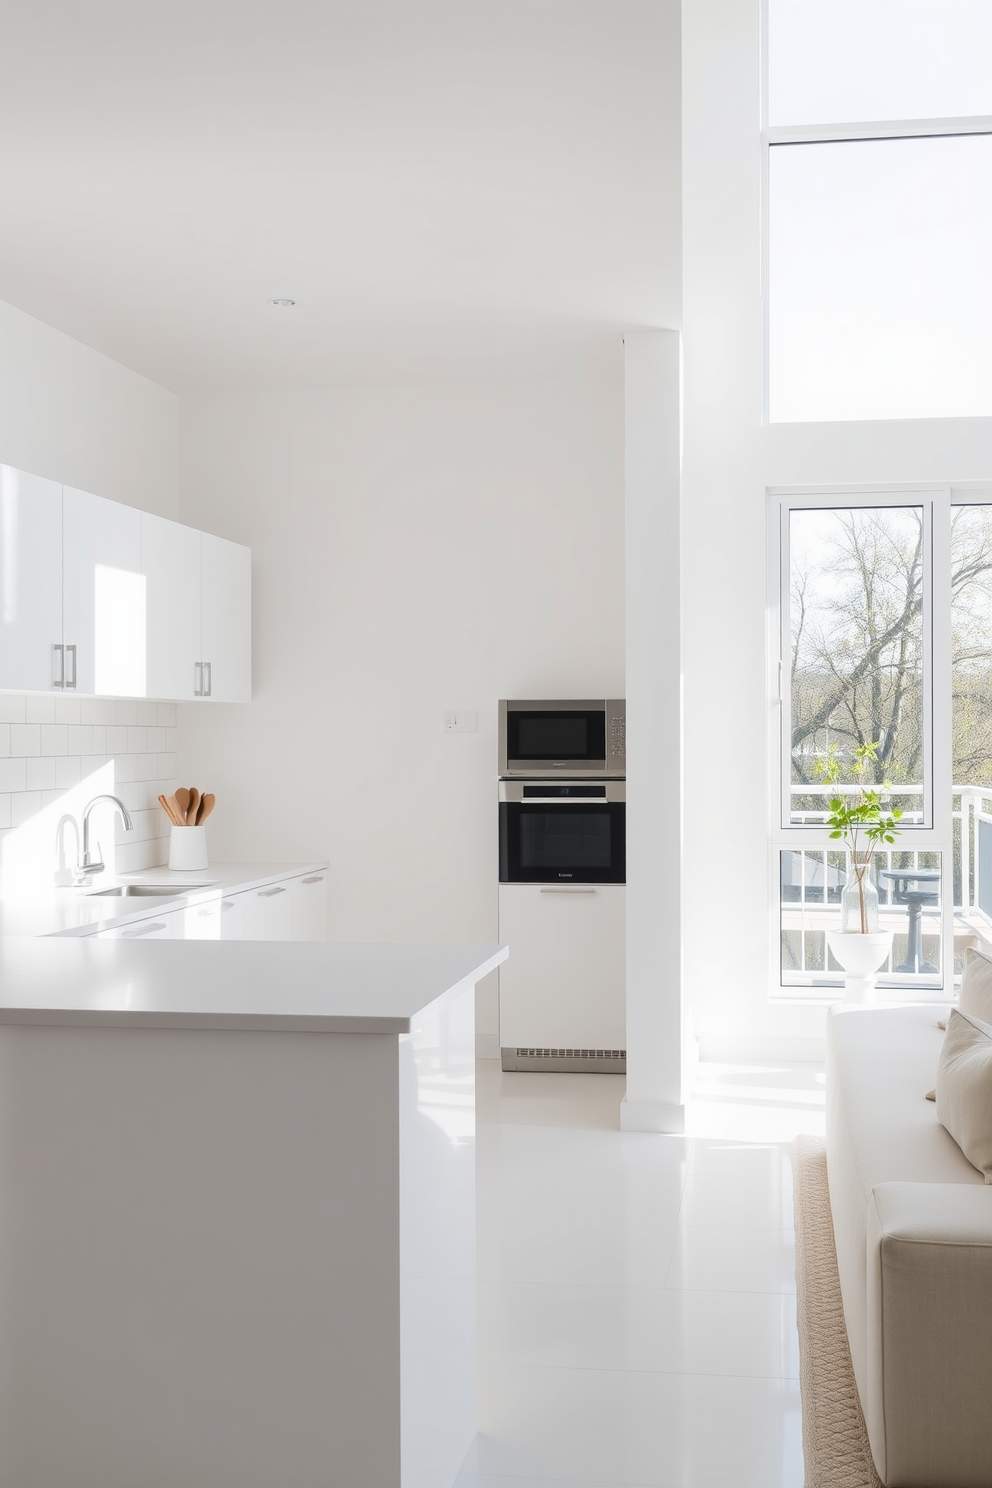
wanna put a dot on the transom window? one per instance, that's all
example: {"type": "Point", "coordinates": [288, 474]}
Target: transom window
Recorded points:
{"type": "Point", "coordinates": [878, 192]}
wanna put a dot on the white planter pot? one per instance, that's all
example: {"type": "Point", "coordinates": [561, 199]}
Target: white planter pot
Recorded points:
{"type": "Point", "coordinates": [860, 956]}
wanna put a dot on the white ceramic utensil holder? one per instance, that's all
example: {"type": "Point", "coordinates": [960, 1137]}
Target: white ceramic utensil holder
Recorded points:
{"type": "Point", "coordinates": [188, 847]}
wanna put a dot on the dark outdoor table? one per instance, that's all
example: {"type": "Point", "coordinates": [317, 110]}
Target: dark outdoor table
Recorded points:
{"type": "Point", "coordinates": [914, 899]}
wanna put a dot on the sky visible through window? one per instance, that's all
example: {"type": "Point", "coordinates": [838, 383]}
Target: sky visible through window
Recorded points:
{"type": "Point", "coordinates": [879, 260]}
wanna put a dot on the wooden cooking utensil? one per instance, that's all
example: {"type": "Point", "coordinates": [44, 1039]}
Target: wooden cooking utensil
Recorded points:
{"type": "Point", "coordinates": [178, 815]}
{"type": "Point", "coordinates": [206, 806]}
{"type": "Point", "coordinates": [193, 807]}
{"type": "Point", "coordinates": [181, 799]}
{"type": "Point", "coordinates": [165, 803]}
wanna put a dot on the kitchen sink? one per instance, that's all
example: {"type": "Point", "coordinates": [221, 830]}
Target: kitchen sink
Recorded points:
{"type": "Point", "coordinates": [145, 891]}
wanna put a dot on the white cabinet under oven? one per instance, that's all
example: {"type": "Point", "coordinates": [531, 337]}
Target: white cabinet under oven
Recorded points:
{"type": "Point", "coordinates": [562, 993]}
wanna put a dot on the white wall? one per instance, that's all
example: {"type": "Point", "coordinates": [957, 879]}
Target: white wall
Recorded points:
{"type": "Point", "coordinates": [729, 460]}
{"type": "Point", "coordinates": [68, 413]}
{"type": "Point", "coordinates": [414, 549]}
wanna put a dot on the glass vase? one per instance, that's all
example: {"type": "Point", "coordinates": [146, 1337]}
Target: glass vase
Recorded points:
{"type": "Point", "coordinates": [859, 900]}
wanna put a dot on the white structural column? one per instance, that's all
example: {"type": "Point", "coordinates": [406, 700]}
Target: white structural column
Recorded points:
{"type": "Point", "coordinates": [654, 1100]}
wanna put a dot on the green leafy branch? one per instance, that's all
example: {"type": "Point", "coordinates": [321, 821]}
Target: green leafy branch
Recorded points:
{"type": "Point", "coordinates": [862, 822]}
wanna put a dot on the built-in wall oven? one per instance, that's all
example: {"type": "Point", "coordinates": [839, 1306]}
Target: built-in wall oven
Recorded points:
{"type": "Point", "coordinates": [562, 738]}
{"type": "Point", "coordinates": [562, 832]}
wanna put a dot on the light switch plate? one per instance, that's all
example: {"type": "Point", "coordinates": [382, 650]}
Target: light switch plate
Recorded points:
{"type": "Point", "coordinates": [460, 721]}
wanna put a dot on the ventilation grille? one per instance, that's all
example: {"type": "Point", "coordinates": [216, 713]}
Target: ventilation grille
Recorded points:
{"type": "Point", "coordinates": [566, 1061]}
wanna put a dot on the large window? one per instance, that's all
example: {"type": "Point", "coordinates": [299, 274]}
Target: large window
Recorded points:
{"type": "Point", "coordinates": [878, 154]}
{"type": "Point", "coordinates": [883, 636]}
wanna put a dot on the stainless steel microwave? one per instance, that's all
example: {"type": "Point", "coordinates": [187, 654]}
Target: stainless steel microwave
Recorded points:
{"type": "Point", "coordinates": [578, 738]}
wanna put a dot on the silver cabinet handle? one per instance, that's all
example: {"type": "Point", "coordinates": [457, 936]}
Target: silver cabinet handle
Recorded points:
{"type": "Point", "coordinates": [208, 679]}
{"type": "Point", "coordinates": [198, 679]}
{"type": "Point", "coordinates": [226, 904]}
{"type": "Point", "coordinates": [317, 878]}
{"type": "Point", "coordinates": [568, 890]}
{"type": "Point", "coordinates": [71, 682]}
{"type": "Point", "coordinates": [267, 893]}
{"type": "Point", "coordinates": [58, 678]}
{"type": "Point", "coordinates": [212, 909]}
{"type": "Point", "coordinates": [143, 930]}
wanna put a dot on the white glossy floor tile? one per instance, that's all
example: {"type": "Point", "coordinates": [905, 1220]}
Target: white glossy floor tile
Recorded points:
{"type": "Point", "coordinates": [662, 1430]}
{"type": "Point", "coordinates": [589, 1327]}
{"type": "Point", "coordinates": [636, 1307]}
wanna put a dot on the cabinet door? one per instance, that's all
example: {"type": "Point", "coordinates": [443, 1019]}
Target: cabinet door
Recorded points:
{"type": "Point", "coordinates": [564, 985]}
{"type": "Point", "coordinates": [221, 919]}
{"type": "Point", "coordinates": [103, 596]}
{"type": "Point", "coordinates": [157, 928]}
{"type": "Point", "coordinates": [308, 896]}
{"type": "Point", "coordinates": [170, 563]}
{"type": "Point", "coordinates": [268, 913]}
{"type": "Point", "coordinates": [225, 648]}
{"type": "Point", "coordinates": [30, 580]}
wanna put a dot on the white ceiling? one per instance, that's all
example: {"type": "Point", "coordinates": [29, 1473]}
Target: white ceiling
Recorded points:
{"type": "Point", "coordinates": [447, 187]}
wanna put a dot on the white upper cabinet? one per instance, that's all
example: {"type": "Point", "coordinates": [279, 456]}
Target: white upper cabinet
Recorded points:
{"type": "Point", "coordinates": [170, 563]}
{"type": "Point", "coordinates": [103, 597]}
{"type": "Point", "coordinates": [30, 581]}
{"type": "Point", "coordinates": [225, 577]}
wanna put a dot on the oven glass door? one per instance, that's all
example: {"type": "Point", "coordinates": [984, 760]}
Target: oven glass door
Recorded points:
{"type": "Point", "coordinates": [546, 842]}
{"type": "Point", "coordinates": [576, 737]}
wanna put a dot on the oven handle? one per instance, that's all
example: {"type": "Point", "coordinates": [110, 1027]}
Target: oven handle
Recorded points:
{"type": "Point", "coordinates": [568, 889]}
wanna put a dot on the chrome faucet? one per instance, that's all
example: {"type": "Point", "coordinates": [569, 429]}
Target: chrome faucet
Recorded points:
{"type": "Point", "coordinates": [87, 866]}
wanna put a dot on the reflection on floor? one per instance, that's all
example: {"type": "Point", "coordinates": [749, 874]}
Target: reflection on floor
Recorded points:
{"type": "Point", "coordinates": [636, 1292]}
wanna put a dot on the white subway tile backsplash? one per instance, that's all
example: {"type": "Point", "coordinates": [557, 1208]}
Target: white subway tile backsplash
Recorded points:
{"type": "Point", "coordinates": [80, 739]}
{"type": "Point", "coordinates": [56, 753]}
{"type": "Point", "coordinates": [39, 710]}
{"type": "Point", "coordinates": [67, 771]}
{"type": "Point", "coordinates": [97, 710]}
{"type": "Point", "coordinates": [24, 806]}
{"type": "Point", "coordinates": [55, 738]}
{"type": "Point", "coordinates": [67, 709]}
{"type": "Point", "coordinates": [25, 738]}
{"type": "Point", "coordinates": [13, 774]}
{"type": "Point", "coordinates": [40, 773]}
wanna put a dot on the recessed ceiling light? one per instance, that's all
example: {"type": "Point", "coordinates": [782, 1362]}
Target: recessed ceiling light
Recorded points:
{"type": "Point", "coordinates": [283, 304]}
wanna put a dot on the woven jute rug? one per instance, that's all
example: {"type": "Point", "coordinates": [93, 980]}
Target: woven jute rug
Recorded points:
{"type": "Point", "coordinates": [835, 1442]}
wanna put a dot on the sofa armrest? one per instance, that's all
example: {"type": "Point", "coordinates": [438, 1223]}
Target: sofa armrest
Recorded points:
{"type": "Point", "coordinates": [929, 1274]}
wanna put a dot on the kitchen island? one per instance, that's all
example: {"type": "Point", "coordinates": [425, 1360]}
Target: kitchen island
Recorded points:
{"type": "Point", "coordinates": [237, 1213]}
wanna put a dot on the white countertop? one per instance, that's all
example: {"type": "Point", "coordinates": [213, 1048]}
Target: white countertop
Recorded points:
{"type": "Point", "coordinates": [261, 986]}
{"type": "Point", "coordinates": [42, 910]}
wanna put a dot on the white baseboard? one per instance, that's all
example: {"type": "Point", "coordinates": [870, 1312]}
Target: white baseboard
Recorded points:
{"type": "Point", "coordinates": [651, 1116]}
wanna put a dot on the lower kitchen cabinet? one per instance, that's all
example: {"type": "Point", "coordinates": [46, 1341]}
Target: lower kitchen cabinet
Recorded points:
{"type": "Point", "coordinates": [158, 927]}
{"type": "Point", "coordinates": [308, 900]}
{"type": "Point", "coordinates": [220, 919]}
{"type": "Point", "coordinates": [268, 912]}
{"type": "Point", "coordinates": [564, 984]}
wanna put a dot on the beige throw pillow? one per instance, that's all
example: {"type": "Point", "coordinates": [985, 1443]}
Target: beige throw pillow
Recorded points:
{"type": "Point", "coordinates": [976, 986]}
{"type": "Point", "coordinates": [964, 1088]}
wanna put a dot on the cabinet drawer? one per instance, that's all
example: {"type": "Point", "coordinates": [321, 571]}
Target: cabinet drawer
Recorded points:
{"type": "Point", "coordinates": [158, 927]}
{"type": "Point", "coordinates": [268, 913]}
{"type": "Point", "coordinates": [221, 919]}
{"type": "Point", "coordinates": [308, 896]}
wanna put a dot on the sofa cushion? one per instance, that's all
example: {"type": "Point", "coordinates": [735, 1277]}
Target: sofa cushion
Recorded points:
{"type": "Point", "coordinates": [976, 986]}
{"type": "Point", "coordinates": [964, 1088]}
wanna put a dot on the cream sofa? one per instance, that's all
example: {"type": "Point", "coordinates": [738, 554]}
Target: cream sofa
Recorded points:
{"type": "Point", "coordinates": [913, 1225]}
